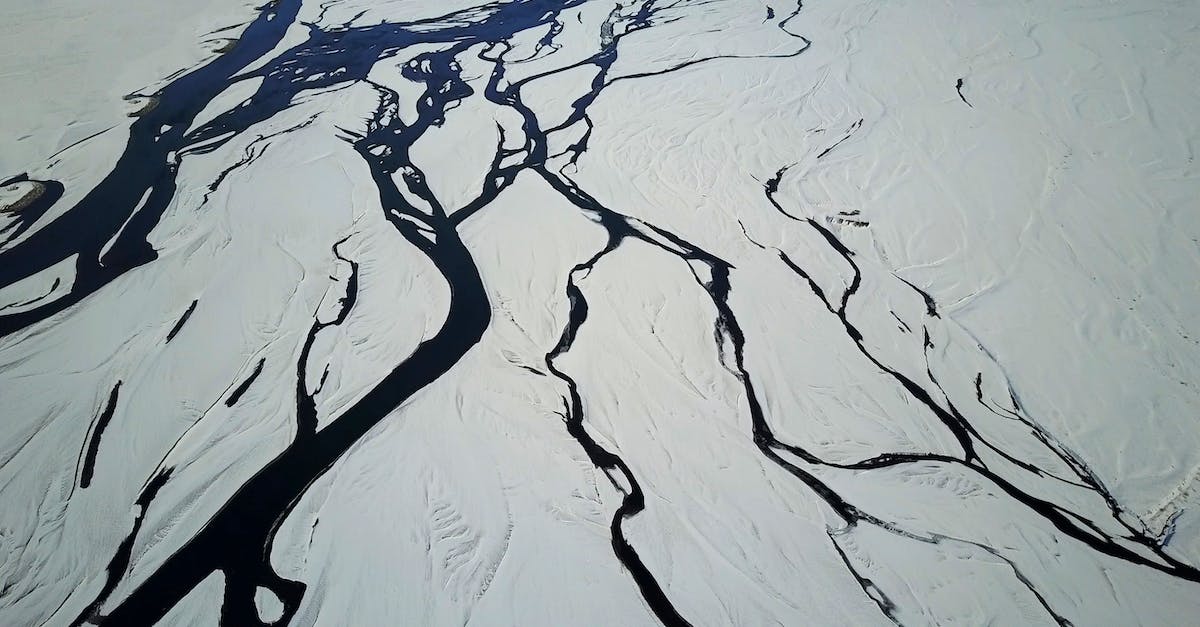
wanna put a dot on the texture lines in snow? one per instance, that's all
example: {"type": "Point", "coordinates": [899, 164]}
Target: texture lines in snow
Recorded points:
{"type": "Point", "coordinates": [960, 480]}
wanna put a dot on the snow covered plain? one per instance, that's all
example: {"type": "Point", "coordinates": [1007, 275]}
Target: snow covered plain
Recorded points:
{"type": "Point", "coordinates": [372, 312]}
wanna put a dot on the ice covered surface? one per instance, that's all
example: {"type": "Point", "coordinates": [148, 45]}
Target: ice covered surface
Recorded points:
{"type": "Point", "coordinates": [715, 312]}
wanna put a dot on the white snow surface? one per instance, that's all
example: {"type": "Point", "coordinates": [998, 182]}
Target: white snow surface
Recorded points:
{"type": "Point", "coordinates": [600, 313]}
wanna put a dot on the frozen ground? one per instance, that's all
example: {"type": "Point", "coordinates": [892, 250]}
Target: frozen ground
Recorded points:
{"type": "Point", "coordinates": [373, 312]}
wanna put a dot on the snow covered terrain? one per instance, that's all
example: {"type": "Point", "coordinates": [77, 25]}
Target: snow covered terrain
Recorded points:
{"type": "Point", "coordinates": [532, 312]}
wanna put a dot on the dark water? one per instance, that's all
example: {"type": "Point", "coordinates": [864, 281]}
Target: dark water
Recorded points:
{"type": "Point", "coordinates": [237, 540]}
